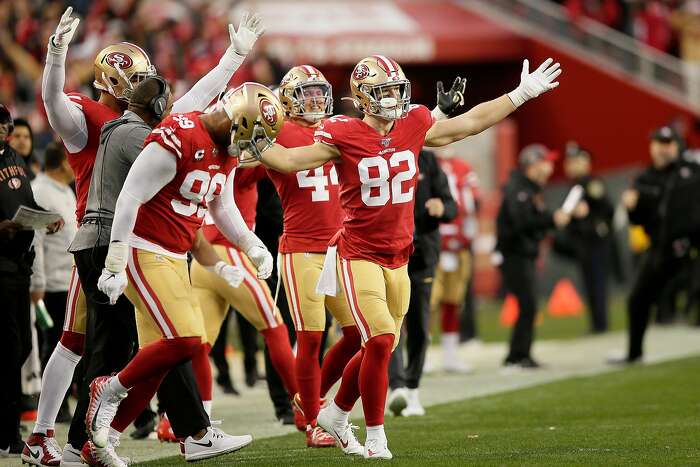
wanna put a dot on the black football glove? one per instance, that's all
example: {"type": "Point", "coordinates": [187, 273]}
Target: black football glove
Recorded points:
{"type": "Point", "coordinates": [450, 100]}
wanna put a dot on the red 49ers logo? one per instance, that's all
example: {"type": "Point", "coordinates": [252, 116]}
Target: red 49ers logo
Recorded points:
{"type": "Point", "coordinates": [361, 71]}
{"type": "Point", "coordinates": [118, 59]}
{"type": "Point", "coordinates": [268, 111]}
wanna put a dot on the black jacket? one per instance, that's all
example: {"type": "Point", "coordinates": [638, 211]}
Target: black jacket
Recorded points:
{"type": "Point", "coordinates": [432, 183]}
{"type": "Point", "coordinates": [15, 190]}
{"type": "Point", "coordinates": [522, 220]}
{"type": "Point", "coordinates": [597, 225]}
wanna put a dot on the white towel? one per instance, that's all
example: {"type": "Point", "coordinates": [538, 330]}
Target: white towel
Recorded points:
{"type": "Point", "coordinates": [328, 280]}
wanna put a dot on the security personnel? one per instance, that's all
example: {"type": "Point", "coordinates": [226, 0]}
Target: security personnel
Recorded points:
{"type": "Point", "coordinates": [434, 204]}
{"type": "Point", "coordinates": [663, 201]}
{"type": "Point", "coordinates": [16, 258]}
{"type": "Point", "coordinates": [591, 236]}
{"type": "Point", "coordinates": [521, 224]}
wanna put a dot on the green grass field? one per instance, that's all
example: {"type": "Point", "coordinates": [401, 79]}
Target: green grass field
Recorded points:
{"type": "Point", "coordinates": [644, 415]}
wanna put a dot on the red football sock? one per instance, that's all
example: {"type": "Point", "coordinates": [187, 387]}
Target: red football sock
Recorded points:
{"type": "Point", "coordinates": [135, 402]}
{"type": "Point", "coordinates": [338, 357]}
{"type": "Point", "coordinates": [349, 390]}
{"type": "Point", "coordinates": [158, 358]}
{"type": "Point", "coordinates": [309, 372]}
{"type": "Point", "coordinates": [202, 371]}
{"type": "Point", "coordinates": [277, 341]}
{"type": "Point", "coordinates": [374, 377]}
{"type": "Point", "coordinates": [450, 317]}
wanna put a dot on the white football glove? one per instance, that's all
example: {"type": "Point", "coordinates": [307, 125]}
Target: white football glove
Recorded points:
{"type": "Point", "coordinates": [533, 84]}
{"type": "Point", "coordinates": [65, 30]}
{"type": "Point", "coordinates": [231, 274]}
{"type": "Point", "coordinates": [262, 259]}
{"type": "Point", "coordinates": [112, 284]}
{"type": "Point", "coordinates": [249, 30]}
{"type": "Point", "coordinates": [113, 281]}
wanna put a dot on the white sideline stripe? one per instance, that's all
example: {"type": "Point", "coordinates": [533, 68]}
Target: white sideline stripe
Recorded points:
{"type": "Point", "coordinates": [149, 301]}
{"type": "Point", "coordinates": [350, 293]}
{"type": "Point", "coordinates": [251, 280]}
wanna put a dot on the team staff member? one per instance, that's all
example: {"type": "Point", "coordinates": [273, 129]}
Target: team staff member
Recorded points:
{"type": "Point", "coordinates": [434, 204]}
{"type": "Point", "coordinates": [522, 223]}
{"type": "Point", "coordinates": [16, 258]}
{"type": "Point", "coordinates": [654, 204]}
{"type": "Point", "coordinates": [591, 236]}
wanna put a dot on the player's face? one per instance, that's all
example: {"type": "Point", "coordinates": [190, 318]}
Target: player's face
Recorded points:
{"type": "Point", "coordinates": [4, 132]}
{"type": "Point", "coordinates": [390, 91]}
{"type": "Point", "coordinates": [314, 98]}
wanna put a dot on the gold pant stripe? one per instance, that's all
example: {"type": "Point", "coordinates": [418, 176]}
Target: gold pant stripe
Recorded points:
{"type": "Point", "coordinates": [76, 305]}
{"type": "Point", "coordinates": [250, 280]}
{"type": "Point", "coordinates": [149, 299]}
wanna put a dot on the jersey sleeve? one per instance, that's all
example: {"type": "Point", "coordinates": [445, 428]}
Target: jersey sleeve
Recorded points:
{"type": "Point", "coordinates": [333, 131]}
{"type": "Point", "coordinates": [170, 136]}
{"type": "Point", "coordinates": [249, 176]}
{"type": "Point", "coordinates": [422, 116]}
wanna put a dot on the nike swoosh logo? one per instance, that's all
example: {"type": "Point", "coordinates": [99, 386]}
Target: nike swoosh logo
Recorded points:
{"type": "Point", "coordinates": [206, 445]}
{"type": "Point", "coordinates": [342, 443]}
{"type": "Point", "coordinates": [94, 417]}
{"type": "Point", "coordinates": [36, 454]}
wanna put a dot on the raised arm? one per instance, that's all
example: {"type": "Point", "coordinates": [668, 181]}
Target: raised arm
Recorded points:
{"type": "Point", "coordinates": [489, 113]}
{"type": "Point", "coordinates": [284, 159]}
{"type": "Point", "coordinates": [228, 219]}
{"type": "Point", "coordinates": [210, 85]}
{"type": "Point", "coordinates": [65, 116]}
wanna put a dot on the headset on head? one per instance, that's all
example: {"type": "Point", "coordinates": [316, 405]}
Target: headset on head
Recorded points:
{"type": "Point", "coordinates": [159, 102]}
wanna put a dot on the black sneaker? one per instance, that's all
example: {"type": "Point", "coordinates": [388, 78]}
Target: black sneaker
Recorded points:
{"type": "Point", "coordinates": [143, 430]}
{"type": "Point", "coordinates": [226, 385]}
{"type": "Point", "coordinates": [623, 360]}
{"type": "Point", "coordinates": [525, 363]}
{"type": "Point", "coordinates": [286, 417]}
{"type": "Point", "coordinates": [13, 450]}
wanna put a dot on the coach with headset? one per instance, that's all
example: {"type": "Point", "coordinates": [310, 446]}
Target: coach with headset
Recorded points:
{"type": "Point", "coordinates": [111, 337]}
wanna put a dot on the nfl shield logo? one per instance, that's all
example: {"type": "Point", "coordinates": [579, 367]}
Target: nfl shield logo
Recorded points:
{"type": "Point", "coordinates": [385, 142]}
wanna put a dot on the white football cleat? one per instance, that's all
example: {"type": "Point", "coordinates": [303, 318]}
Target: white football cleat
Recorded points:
{"type": "Point", "coordinates": [397, 400]}
{"type": "Point", "coordinates": [214, 443]}
{"type": "Point", "coordinates": [41, 449]}
{"type": "Point", "coordinates": [101, 410]}
{"type": "Point", "coordinates": [376, 448]}
{"type": "Point", "coordinates": [71, 457]}
{"type": "Point", "coordinates": [458, 367]}
{"type": "Point", "coordinates": [102, 457]}
{"type": "Point", "coordinates": [413, 406]}
{"type": "Point", "coordinates": [341, 430]}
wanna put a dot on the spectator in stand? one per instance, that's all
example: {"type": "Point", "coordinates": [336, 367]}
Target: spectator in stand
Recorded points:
{"type": "Point", "coordinates": [651, 25]}
{"type": "Point", "coordinates": [22, 141]}
{"type": "Point", "coordinates": [686, 21]}
{"type": "Point", "coordinates": [608, 12]}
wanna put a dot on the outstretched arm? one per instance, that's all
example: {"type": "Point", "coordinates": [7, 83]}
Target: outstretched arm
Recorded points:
{"type": "Point", "coordinates": [208, 87]}
{"type": "Point", "coordinates": [489, 113]}
{"type": "Point", "coordinates": [65, 117]}
{"type": "Point", "coordinates": [228, 219]}
{"type": "Point", "coordinates": [284, 159]}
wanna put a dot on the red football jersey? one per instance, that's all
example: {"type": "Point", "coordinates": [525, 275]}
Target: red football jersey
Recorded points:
{"type": "Point", "coordinates": [171, 218]}
{"type": "Point", "coordinates": [83, 161]}
{"type": "Point", "coordinates": [310, 198]}
{"type": "Point", "coordinates": [245, 194]}
{"type": "Point", "coordinates": [463, 181]}
{"type": "Point", "coordinates": [378, 176]}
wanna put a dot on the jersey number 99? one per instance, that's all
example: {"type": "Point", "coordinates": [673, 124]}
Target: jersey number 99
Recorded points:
{"type": "Point", "coordinates": [195, 193]}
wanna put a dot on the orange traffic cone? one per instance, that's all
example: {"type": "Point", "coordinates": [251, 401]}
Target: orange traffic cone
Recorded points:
{"type": "Point", "coordinates": [509, 312]}
{"type": "Point", "coordinates": [564, 300]}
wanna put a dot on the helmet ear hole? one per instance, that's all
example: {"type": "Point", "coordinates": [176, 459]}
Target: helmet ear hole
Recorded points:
{"type": "Point", "coordinates": [114, 81]}
{"type": "Point", "coordinates": [244, 122]}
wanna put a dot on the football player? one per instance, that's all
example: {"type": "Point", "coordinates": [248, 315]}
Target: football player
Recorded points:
{"type": "Point", "coordinates": [78, 120]}
{"type": "Point", "coordinates": [184, 170]}
{"type": "Point", "coordinates": [252, 299]}
{"type": "Point", "coordinates": [453, 271]}
{"type": "Point", "coordinates": [375, 158]}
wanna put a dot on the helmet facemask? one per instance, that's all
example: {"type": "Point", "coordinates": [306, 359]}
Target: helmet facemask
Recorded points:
{"type": "Point", "coordinates": [309, 104]}
{"type": "Point", "coordinates": [390, 100]}
{"type": "Point", "coordinates": [129, 82]}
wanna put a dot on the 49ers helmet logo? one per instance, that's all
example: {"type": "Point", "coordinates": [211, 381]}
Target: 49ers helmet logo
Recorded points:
{"type": "Point", "coordinates": [268, 111]}
{"type": "Point", "coordinates": [361, 71]}
{"type": "Point", "coordinates": [118, 59]}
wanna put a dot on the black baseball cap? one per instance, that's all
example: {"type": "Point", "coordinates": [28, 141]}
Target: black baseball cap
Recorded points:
{"type": "Point", "coordinates": [535, 153]}
{"type": "Point", "coordinates": [664, 134]}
